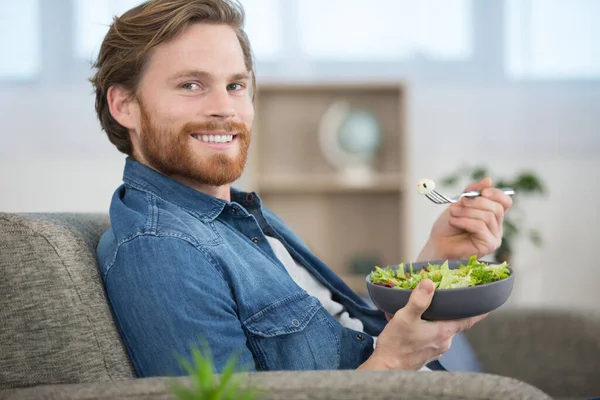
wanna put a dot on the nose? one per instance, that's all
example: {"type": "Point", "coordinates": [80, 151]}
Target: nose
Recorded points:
{"type": "Point", "coordinates": [220, 104]}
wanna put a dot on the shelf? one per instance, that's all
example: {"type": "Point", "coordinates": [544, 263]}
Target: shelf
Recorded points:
{"type": "Point", "coordinates": [318, 183]}
{"type": "Point", "coordinates": [338, 86]}
{"type": "Point", "coordinates": [337, 218]}
{"type": "Point", "coordinates": [288, 118]}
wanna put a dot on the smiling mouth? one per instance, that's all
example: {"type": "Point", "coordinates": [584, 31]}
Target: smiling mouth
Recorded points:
{"type": "Point", "coordinates": [210, 138]}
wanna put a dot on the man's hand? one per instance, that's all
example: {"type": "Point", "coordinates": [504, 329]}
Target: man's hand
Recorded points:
{"type": "Point", "coordinates": [472, 226]}
{"type": "Point", "coordinates": [409, 342]}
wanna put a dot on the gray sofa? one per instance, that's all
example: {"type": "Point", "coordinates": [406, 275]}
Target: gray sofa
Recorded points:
{"type": "Point", "coordinates": [58, 339]}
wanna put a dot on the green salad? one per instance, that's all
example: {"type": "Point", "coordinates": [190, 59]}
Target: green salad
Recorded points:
{"type": "Point", "coordinates": [473, 274]}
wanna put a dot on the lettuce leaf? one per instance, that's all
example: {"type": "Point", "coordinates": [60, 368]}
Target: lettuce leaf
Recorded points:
{"type": "Point", "coordinates": [474, 273]}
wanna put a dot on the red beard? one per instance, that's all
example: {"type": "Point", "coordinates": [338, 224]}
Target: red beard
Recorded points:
{"type": "Point", "coordinates": [170, 151]}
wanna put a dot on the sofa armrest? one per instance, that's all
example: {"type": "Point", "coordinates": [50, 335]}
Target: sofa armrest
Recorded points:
{"type": "Point", "coordinates": [556, 351]}
{"type": "Point", "coordinates": [294, 385]}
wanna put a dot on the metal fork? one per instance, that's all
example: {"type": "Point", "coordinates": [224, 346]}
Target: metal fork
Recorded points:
{"type": "Point", "coordinates": [439, 198]}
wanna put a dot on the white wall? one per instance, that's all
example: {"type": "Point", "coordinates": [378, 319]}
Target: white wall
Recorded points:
{"type": "Point", "coordinates": [53, 157]}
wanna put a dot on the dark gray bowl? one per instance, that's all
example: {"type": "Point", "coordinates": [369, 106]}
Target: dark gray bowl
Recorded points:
{"type": "Point", "coordinates": [447, 304]}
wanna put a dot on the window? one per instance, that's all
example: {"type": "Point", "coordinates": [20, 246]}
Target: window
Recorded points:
{"type": "Point", "coordinates": [296, 39]}
{"type": "Point", "coordinates": [20, 40]}
{"type": "Point", "coordinates": [385, 30]}
{"type": "Point", "coordinates": [264, 28]}
{"type": "Point", "coordinates": [92, 19]}
{"type": "Point", "coordinates": [552, 39]}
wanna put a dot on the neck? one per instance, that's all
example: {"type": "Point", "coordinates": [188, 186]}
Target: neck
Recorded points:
{"type": "Point", "coordinates": [220, 192]}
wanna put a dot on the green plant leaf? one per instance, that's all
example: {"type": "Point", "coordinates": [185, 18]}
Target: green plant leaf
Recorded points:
{"type": "Point", "coordinates": [227, 379]}
{"type": "Point", "coordinates": [535, 237]}
{"type": "Point", "coordinates": [527, 182]}
{"type": "Point", "coordinates": [189, 368]}
{"type": "Point", "coordinates": [479, 173]}
{"type": "Point", "coordinates": [450, 180]}
{"type": "Point", "coordinates": [204, 373]}
{"type": "Point", "coordinates": [502, 183]}
{"type": "Point", "coordinates": [232, 391]}
{"type": "Point", "coordinates": [509, 228]}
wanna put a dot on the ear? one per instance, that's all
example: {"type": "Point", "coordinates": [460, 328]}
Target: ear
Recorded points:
{"type": "Point", "coordinates": [122, 106]}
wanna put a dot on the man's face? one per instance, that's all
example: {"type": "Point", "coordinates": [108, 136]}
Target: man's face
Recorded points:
{"type": "Point", "coordinates": [195, 107]}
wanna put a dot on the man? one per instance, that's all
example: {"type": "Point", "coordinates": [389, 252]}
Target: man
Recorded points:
{"type": "Point", "coordinates": [188, 257]}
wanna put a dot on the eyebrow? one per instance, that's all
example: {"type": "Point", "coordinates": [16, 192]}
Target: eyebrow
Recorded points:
{"type": "Point", "coordinates": [205, 75]}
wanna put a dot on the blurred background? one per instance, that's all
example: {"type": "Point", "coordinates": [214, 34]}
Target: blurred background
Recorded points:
{"type": "Point", "coordinates": [508, 87]}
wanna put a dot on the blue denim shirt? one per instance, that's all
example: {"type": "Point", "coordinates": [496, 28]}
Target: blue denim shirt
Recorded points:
{"type": "Point", "coordinates": [179, 265]}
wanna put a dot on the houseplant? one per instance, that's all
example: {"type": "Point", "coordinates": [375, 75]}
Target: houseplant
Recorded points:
{"type": "Point", "coordinates": [207, 385]}
{"type": "Point", "coordinates": [526, 183]}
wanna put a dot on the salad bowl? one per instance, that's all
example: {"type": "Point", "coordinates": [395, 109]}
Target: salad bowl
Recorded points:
{"type": "Point", "coordinates": [464, 288]}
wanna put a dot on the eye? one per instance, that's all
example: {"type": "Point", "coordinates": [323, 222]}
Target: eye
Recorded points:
{"type": "Point", "coordinates": [235, 86]}
{"type": "Point", "coordinates": [190, 86]}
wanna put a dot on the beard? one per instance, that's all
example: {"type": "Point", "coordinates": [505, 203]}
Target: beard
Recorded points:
{"type": "Point", "coordinates": [171, 151]}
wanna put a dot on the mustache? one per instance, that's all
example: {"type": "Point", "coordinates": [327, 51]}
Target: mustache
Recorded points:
{"type": "Point", "coordinates": [227, 126]}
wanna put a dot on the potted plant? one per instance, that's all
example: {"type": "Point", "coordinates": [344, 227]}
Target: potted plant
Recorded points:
{"type": "Point", "coordinates": [525, 183]}
{"type": "Point", "coordinates": [206, 385]}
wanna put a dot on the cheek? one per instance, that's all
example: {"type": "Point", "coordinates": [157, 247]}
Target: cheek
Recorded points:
{"type": "Point", "coordinates": [245, 111]}
{"type": "Point", "coordinates": [179, 110]}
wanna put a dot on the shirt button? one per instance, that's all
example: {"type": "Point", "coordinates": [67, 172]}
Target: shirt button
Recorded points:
{"type": "Point", "coordinates": [233, 210]}
{"type": "Point", "coordinates": [255, 239]}
{"type": "Point", "coordinates": [296, 323]}
{"type": "Point", "coordinates": [360, 336]}
{"type": "Point", "coordinates": [249, 197]}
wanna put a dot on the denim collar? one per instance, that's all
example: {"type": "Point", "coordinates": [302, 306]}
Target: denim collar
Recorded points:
{"type": "Point", "coordinates": [205, 207]}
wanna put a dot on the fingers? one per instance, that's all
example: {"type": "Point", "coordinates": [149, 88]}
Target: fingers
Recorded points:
{"type": "Point", "coordinates": [479, 229]}
{"type": "Point", "coordinates": [485, 187]}
{"type": "Point", "coordinates": [483, 209]}
{"type": "Point", "coordinates": [498, 196]}
{"type": "Point", "coordinates": [480, 186]}
{"type": "Point", "coordinates": [419, 300]}
{"type": "Point", "coordinates": [464, 324]}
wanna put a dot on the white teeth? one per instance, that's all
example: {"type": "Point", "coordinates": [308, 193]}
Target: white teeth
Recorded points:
{"type": "Point", "coordinates": [215, 138]}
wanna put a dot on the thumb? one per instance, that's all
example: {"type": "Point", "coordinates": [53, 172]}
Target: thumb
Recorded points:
{"type": "Point", "coordinates": [419, 300]}
{"type": "Point", "coordinates": [479, 186]}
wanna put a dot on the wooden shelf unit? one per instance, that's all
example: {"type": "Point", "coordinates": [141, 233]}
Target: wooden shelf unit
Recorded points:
{"type": "Point", "coordinates": [337, 219]}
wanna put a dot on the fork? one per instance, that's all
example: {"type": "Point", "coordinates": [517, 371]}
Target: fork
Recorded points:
{"type": "Point", "coordinates": [439, 198]}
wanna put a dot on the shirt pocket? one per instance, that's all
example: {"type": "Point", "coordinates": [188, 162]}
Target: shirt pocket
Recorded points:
{"type": "Point", "coordinates": [294, 333]}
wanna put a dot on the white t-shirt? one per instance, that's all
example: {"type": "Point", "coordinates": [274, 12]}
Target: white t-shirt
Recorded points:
{"type": "Point", "coordinates": [313, 287]}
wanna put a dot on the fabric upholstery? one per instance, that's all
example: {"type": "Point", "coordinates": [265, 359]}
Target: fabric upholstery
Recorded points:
{"type": "Point", "coordinates": [315, 385]}
{"type": "Point", "coordinates": [56, 325]}
{"type": "Point", "coordinates": [556, 351]}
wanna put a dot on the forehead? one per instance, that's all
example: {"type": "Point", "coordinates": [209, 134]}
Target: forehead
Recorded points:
{"type": "Point", "coordinates": [207, 47]}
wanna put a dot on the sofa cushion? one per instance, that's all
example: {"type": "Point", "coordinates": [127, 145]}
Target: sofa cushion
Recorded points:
{"type": "Point", "coordinates": [314, 385]}
{"type": "Point", "coordinates": [555, 350]}
{"type": "Point", "coordinates": [56, 325]}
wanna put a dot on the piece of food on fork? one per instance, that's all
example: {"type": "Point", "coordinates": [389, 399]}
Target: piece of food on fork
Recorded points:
{"type": "Point", "coordinates": [425, 186]}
